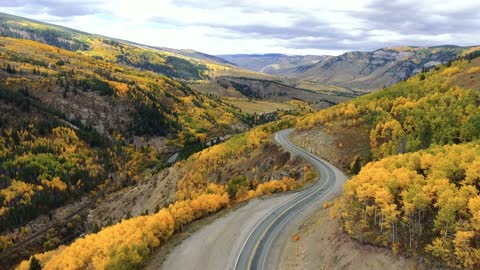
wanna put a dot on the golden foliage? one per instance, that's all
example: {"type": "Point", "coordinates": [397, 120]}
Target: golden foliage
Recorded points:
{"type": "Point", "coordinates": [422, 202]}
{"type": "Point", "coordinates": [426, 109]}
{"type": "Point", "coordinates": [130, 241]}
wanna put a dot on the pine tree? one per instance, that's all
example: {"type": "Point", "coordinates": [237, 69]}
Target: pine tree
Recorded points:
{"type": "Point", "coordinates": [34, 264]}
{"type": "Point", "coordinates": [356, 166]}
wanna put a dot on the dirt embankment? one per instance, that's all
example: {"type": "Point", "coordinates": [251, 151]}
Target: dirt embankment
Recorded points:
{"type": "Point", "coordinates": [147, 196]}
{"type": "Point", "coordinates": [336, 144]}
{"type": "Point", "coordinates": [322, 245]}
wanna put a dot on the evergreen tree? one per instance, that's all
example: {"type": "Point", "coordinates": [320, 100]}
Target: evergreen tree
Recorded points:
{"type": "Point", "coordinates": [34, 264]}
{"type": "Point", "coordinates": [356, 166]}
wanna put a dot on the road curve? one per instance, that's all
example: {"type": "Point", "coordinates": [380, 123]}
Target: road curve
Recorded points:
{"type": "Point", "coordinates": [258, 250]}
{"type": "Point", "coordinates": [256, 233]}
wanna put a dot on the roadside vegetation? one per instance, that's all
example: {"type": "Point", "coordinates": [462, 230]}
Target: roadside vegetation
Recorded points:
{"type": "Point", "coordinates": [200, 193]}
{"type": "Point", "coordinates": [428, 109]}
{"type": "Point", "coordinates": [425, 203]}
{"type": "Point", "coordinates": [419, 194]}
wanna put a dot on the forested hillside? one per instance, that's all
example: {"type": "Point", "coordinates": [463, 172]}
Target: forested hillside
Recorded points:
{"type": "Point", "coordinates": [425, 203]}
{"type": "Point", "coordinates": [214, 178]}
{"type": "Point", "coordinates": [47, 162]}
{"type": "Point", "coordinates": [102, 48]}
{"type": "Point", "coordinates": [429, 108]}
{"type": "Point", "coordinates": [109, 96]}
{"type": "Point", "coordinates": [419, 203]}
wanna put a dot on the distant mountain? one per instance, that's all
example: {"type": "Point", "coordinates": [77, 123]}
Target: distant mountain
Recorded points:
{"type": "Point", "coordinates": [273, 63]}
{"type": "Point", "coordinates": [197, 55]}
{"type": "Point", "coordinates": [364, 71]}
{"type": "Point", "coordinates": [373, 70]}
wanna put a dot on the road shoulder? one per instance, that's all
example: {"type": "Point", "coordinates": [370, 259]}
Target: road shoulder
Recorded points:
{"type": "Point", "coordinates": [320, 244]}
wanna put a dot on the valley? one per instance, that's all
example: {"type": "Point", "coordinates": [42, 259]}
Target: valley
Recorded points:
{"type": "Point", "coordinates": [120, 155]}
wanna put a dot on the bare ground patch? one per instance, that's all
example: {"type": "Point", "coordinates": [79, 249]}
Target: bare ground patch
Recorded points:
{"type": "Point", "coordinates": [337, 144]}
{"type": "Point", "coordinates": [322, 245]}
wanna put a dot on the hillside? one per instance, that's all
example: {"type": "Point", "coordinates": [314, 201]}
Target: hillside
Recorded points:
{"type": "Point", "coordinates": [362, 71]}
{"type": "Point", "coordinates": [197, 55]}
{"type": "Point", "coordinates": [195, 69]}
{"type": "Point", "coordinates": [436, 107]}
{"type": "Point", "coordinates": [86, 117]}
{"type": "Point", "coordinates": [52, 172]}
{"type": "Point", "coordinates": [88, 123]}
{"type": "Point", "coordinates": [109, 97]}
{"type": "Point", "coordinates": [209, 181]}
{"type": "Point", "coordinates": [267, 89]}
{"type": "Point", "coordinates": [112, 152]}
{"type": "Point", "coordinates": [274, 64]}
{"type": "Point", "coordinates": [418, 195]}
{"type": "Point", "coordinates": [420, 204]}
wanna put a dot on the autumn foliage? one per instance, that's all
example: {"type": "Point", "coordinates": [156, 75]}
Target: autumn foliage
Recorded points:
{"type": "Point", "coordinates": [209, 165]}
{"type": "Point", "coordinates": [127, 244]}
{"type": "Point", "coordinates": [427, 109]}
{"type": "Point", "coordinates": [423, 203]}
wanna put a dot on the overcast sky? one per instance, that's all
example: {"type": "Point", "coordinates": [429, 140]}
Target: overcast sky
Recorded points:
{"type": "Point", "coordinates": [265, 26]}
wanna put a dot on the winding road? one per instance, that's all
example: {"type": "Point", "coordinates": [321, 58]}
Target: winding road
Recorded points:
{"type": "Point", "coordinates": [256, 250]}
{"type": "Point", "coordinates": [254, 236]}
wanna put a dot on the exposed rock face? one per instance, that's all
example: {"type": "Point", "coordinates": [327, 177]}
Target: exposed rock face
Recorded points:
{"type": "Point", "coordinates": [103, 113]}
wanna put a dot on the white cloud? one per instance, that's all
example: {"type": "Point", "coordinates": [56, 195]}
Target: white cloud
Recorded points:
{"type": "Point", "coordinates": [265, 26]}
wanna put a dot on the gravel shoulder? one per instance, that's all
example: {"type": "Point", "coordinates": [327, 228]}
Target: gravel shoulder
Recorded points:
{"type": "Point", "coordinates": [216, 245]}
{"type": "Point", "coordinates": [322, 245]}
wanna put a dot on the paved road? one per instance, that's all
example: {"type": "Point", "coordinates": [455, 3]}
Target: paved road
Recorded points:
{"type": "Point", "coordinates": [256, 233]}
{"type": "Point", "coordinates": [258, 251]}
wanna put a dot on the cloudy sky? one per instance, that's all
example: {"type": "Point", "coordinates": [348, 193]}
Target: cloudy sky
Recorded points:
{"type": "Point", "coordinates": [265, 26]}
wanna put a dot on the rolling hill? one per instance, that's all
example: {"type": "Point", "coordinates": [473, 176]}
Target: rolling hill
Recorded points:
{"type": "Point", "coordinates": [273, 63]}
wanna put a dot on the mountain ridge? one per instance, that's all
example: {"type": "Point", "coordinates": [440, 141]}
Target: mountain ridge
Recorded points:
{"type": "Point", "coordinates": [359, 70]}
